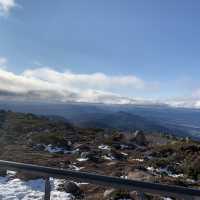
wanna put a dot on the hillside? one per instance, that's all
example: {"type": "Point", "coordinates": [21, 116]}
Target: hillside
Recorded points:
{"type": "Point", "coordinates": [180, 122]}
{"type": "Point", "coordinates": [121, 121]}
{"type": "Point", "coordinates": [135, 155]}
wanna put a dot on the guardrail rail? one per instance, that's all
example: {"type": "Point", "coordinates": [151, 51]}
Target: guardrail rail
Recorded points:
{"type": "Point", "coordinates": [114, 182]}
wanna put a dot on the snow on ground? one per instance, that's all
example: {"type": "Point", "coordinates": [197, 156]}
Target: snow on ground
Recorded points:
{"type": "Point", "coordinates": [82, 159]}
{"type": "Point", "coordinates": [104, 147]}
{"type": "Point", "coordinates": [123, 153]}
{"type": "Point", "coordinates": [74, 167]}
{"type": "Point", "coordinates": [123, 146]}
{"type": "Point", "coordinates": [71, 152]}
{"type": "Point", "coordinates": [164, 170]}
{"type": "Point", "coordinates": [138, 159]}
{"type": "Point", "coordinates": [124, 177]}
{"type": "Point", "coordinates": [16, 189]}
{"type": "Point", "coordinates": [53, 149]}
{"type": "Point", "coordinates": [108, 157]}
{"type": "Point", "coordinates": [58, 195]}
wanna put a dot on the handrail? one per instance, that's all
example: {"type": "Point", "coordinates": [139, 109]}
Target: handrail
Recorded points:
{"type": "Point", "coordinates": [154, 188]}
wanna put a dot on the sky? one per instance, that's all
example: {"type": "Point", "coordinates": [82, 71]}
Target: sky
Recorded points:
{"type": "Point", "coordinates": [101, 51]}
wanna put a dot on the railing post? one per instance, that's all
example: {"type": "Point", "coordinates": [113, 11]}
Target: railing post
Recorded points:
{"type": "Point", "coordinates": [3, 171]}
{"type": "Point", "coordinates": [47, 189]}
{"type": "Point", "coordinates": [141, 196]}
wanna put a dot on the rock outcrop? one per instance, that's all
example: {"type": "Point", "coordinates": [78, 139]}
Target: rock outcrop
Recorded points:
{"type": "Point", "coordinates": [139, 138]}
{"type": "Point", "coordinates": [72, 188]}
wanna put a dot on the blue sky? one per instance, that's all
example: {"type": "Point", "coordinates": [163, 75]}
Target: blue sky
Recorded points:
{"type": "Point", "coordinates": [152, 40]}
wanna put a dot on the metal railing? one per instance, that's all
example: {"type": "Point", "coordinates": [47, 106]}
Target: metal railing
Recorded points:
{"type": "Point", "coordinates": [114, 182]}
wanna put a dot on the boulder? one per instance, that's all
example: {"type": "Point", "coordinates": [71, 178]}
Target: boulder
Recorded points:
{"type": "Point", "coordinates": [85, 154]}
{"type": "Point", "coordinates": [72, 188]}
{"type": "Point", "coordinates": [39, 147]}
{"type": "Point", "coordinates": [139, 138]}
{"type": "Point", "coordinates": [117, 155]}
{"type": "Point", "coordinates": [92, 156]}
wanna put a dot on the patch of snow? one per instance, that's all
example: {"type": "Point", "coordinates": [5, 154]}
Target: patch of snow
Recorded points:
{"type": "Point", "coordinates": [71, 152]}
{"type": "Point", "coordinates": [11, 173]}
{"type": "Point", "coordinates": [57, 195]}
{"type": "Point", "coordinates": [176, 175]}
{"type": "Point", "coordinates": [178, 163]}
{"type": "Point", "coordinates": [53, 149]}
{"type": "Point", "coordinates": [190, 180]}
{"type": "Point", "coordinates": [55, 183]}
{"type": "Point", "coordinates": [123, 153]}
{"type": "Point", "coordinates": [108, 157]}
{"type": "Point", "coordinates": [151, 169]}
{"type": "Point", "coordinates": [82, 159]}
{"type": "Point", "coordinates": [74, 167]}
{"type": "Point", "coordinates": [122, 146]}
{"type": "Point", "coordinates": [138, 159]}
{"type": "Point", "coordinates": [16, 189]}
{"type": "Point", "coordinates": [81, 183]}
{"type": "Point", "coordinates": [164, 170]}
{"type": "Point", "coordinates": [104, 147]}
{"type": "Point", "coordinates": [124, 177]}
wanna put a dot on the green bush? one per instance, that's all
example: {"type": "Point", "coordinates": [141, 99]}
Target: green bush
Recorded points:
{"type": "Point", "coordinates": [160, 162]}
{"type": "Point", "coordinates": [56, 139]}
{"type": "Point", "coordinates": [119, 194]}
{"type": "Point", "coordinates": [192, 169]}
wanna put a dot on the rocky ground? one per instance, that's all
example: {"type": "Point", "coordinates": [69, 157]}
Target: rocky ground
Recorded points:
{"type": "Point", "coordinates": [135, 155]}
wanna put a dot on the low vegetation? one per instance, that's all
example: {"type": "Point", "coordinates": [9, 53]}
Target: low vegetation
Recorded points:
{"type": "Point", "coordinates": [140, 156]}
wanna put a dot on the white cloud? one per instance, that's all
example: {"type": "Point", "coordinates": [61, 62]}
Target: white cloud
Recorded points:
{"type": "Point", "coordinates": [184, 102]}
{"type": "Point", "coordinates": [97, 81]}
{"type": "Point", "coordinates": [45, 84]}
{"type": "Point", "coordinates": [190, 103]}
{"type": "Point", "coordinates": [6, 6]}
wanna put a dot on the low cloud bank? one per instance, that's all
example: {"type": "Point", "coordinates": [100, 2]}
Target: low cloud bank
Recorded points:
{"type": "Point", "coordinates": [45, 84]}
{"type": "Point", "coordinates": [48, 85]}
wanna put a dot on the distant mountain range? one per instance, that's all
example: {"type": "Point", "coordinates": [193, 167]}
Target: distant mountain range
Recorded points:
{"type": "Point", "coordinates": [178, 121]}
{"type": "Point", "coordinates": [120, 120]}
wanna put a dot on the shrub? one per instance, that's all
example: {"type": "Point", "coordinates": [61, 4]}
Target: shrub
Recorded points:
{"type": "Point", "coordinates": [119, 194]}
{"type": "Point", "coordinates": [192, 169]}
{"type": "Point", "coordinates": [56, 139]}
{"type": "Point", "coordinates": [160, 162]}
